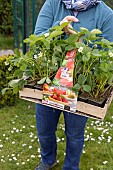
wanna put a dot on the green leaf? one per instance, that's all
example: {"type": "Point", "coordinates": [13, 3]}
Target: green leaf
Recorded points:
{"type": "Point", "coordinates": [58, 48]}
{"type": "Point", "coordinates": [13, 83]}
{"type": "Point", "coordinates": [72, 38]}
{"type": "Point", "coordinates": [42, 81]}
{"type": "Point", "coordinates": [15, 89]}
{"type": "Point", "coordinates": [4, 90]}
{"type": "Point", "coordinates": [76, 87]}
{"type": "Point", "coordinates": [18, 73]}
{"type": "Point", "coordinates": [53, 59]}
{"type": "Point", "coordinates": [86, 88]}
{"type": "Point", "coordinates": [56, 81]}
{"type": "Point", "coordinates": [34, 38]}
{"type": "Point", "coordinates": [54, 68]}
{"type": "Point", "coordinates": [86, 57]}
{"type": "Point", "coordinates": [96, 53]}
{"type": "Point", "coordinates": [96, 31]}
{"type": "Point", "coordinates": [81, 79]}
{"type": "Point", "coordinates": [48, 81]}
{"type": "Point", "coordinates": [64, 62]}
{"type": "Point", "coordinates": [62, 43]}
{"type": "Point", "coordinates": [21, 84]}
{"type": "Point", "coordinates": [55, 34]}
{"type": "Point", "coordinates": [104, 67]}
{"type": "Point", "coordinates": [79, 44]}
{"type": "Point", "coordinates": [83, 30]}
{"type": "Point", "coordinates": [47, 44]}
{"type": "Point", "coordinates": [23, 67]}
{"type": "Point", "coordinates": [59, 27]}
{"type": "Point", "coordinates": [105, 41]}
{"type": "Point", "coordinates": [63, 25]}
{"type": "Point", "coordinates": [69, 48]}
{"type": "Point", "coordinates": [17, 52]}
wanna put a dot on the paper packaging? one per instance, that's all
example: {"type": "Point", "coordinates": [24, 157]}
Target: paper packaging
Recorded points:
{"type": "Point", "coordinates": [59, 94]}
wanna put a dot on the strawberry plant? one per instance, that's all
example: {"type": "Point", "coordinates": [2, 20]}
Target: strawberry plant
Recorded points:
{"type": "Point", "coordinates": [93, 64]}
{"type": "Point", "coordinates": [93, 67]}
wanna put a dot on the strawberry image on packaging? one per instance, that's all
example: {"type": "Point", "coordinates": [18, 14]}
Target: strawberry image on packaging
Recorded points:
{"type": "Point", "coordinates": [59, 94]}
{"type": "Point", "coordinates": [64, 76]}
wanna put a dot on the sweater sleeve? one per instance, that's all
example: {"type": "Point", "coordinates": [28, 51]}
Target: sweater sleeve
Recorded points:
{"type": "Point", "coordinates": [45, 18]}
{"type": "Point", "coordinates": [107, 28]}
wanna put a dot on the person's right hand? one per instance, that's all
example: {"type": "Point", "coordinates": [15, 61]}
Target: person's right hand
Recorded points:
{"type": "Point", "coordinates": [67, 29]}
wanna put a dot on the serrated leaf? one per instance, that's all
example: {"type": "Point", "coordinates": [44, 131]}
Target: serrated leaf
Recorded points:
{"type": "Point", "coordinates": [15, 89]}
{"type": "Point", "coordinates": [83, 30]}
{"type": "Point", "coordinates": [76, 87]}
{"type": "Point", "coordinates": [96, 52]}
{"type": "Point", "coordinates": [58, 48]}
{"type": "Point", "coordinates": [69, 48]}
{"type": "Point", "coordinates": [48, 81]}
{"type": "Point", "coordinates": [23, 67]}
{"type": "Point", "coordinates": [42, 81]}
{"type": "Point", "coordinates": [55, 34]}
{"type": "Point", "coordinates": [33, 39]}
{"type": "Point", "coordinates": [13, 83]}
{"type": "Point", "coordinates": [4, 90]}
{"type": "Point", "coordinates": [56, 81]}
{"type": "Point", "coordinates": [64, 62]}
{"type": "Point", "coordinates": [63, 25]}
{"type": "Point", "coordinates": [86, 88]}
{"type": "Point", "coordinates": [47, 44]}
{"type": "Point", "coordinates": [96, 31]}
{"type": "Point", "coordinates": [81, 79]}
{"type": "Point", "coordinates": [18, 73]}
{"type": "Point", "coordinates": [79, 44]}
{"type": "Point", "coordinates": [86, 57]}
{"type": "Point", "coordinates": [21, 84]}
{"type": "Point", "coordinates": [72, 38]}
{"type": "Point", "coordinates": [104, 67]}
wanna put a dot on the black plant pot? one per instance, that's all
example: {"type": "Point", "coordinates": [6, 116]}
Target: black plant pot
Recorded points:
{"type": "Point", "coordinates": [33, 85]}
{"type": "Point", "coordinates": [82, 99]}
{"type": "Point", "coordinates": [97, 103]}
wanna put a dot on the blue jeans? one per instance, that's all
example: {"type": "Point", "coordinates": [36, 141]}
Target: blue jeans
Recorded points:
{"type": "Point", "coordinates": [47, 119]}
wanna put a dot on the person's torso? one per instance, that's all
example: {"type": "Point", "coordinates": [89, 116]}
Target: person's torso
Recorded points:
{"type": "Point", "coordinates": [90, 19]}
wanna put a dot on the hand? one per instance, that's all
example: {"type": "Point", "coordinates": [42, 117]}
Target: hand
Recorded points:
{"type": "Point", "coordinates": [67, 29]}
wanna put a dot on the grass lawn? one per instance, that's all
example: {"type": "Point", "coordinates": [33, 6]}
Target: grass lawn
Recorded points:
{"type": "Point", "coordinates": [19, 146]}
{"type": "Point", "coordinates": [6, 42]}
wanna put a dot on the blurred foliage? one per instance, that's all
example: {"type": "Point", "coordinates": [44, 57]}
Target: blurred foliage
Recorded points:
{"type": "Point", "coordinates": [109, 3]}
{"type": "Point", "coordinates": [6, 74]}
{"type": "Point", "coordinates": [6, 19]}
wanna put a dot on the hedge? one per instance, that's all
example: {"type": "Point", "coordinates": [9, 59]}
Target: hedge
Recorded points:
{"type": "Point", "coordinates": [6, 18]}
{"type": "Point", "coordinates": [6, 74]}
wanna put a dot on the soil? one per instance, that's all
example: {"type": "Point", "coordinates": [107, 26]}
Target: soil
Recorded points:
{"type": "Point", "coordinates": [100, 102]}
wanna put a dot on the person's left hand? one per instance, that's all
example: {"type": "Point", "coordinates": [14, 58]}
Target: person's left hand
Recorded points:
{"type": "Point", "coordinates": [67, 29]}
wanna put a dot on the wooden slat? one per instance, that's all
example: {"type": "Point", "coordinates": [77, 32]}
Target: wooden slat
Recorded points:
{"type": "Point", "coordinates": [84, 109]}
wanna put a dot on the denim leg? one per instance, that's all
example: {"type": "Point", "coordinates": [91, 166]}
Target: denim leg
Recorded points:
{"type": "Point", "coordinates": [74, 130]}
{"type": "Point", "coordinates": [46, 120]}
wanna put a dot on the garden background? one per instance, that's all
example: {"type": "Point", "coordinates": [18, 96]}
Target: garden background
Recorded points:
{"type": "Point", "coordinates": [19, 146]}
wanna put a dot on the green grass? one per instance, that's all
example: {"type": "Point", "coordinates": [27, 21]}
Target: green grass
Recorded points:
{"type": "Point", "coordinates": [6, 42]}
{"type": "Point", "coordinates": [19, 146]}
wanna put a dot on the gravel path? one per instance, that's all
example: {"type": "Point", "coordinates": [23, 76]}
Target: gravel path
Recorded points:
{"type": "Point", "coordinates": [6, 52]}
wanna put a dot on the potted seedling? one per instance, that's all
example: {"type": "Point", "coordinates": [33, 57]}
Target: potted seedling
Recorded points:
{"type": "Point", "coordinates": [93, 64]}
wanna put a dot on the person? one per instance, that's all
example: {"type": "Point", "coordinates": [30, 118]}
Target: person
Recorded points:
{"type": "Point", "coordinates": [90, 14]}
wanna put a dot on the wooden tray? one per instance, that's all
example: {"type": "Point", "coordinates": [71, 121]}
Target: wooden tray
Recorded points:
{"type": "Point", "coordinates": [85, 109]}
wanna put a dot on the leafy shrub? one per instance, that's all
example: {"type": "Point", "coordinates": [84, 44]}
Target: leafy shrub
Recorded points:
{"type": "Point", "coordinates": [6, 74]}
{"type": "Point", "coordinates": [6, 19]}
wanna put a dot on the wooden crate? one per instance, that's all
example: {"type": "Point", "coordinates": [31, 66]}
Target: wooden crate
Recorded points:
{"type": "Point", "coordinates": [85, 109]}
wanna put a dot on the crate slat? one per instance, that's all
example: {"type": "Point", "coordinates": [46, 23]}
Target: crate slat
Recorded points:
{"type": "Point", "coordinates": [85, 109]}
